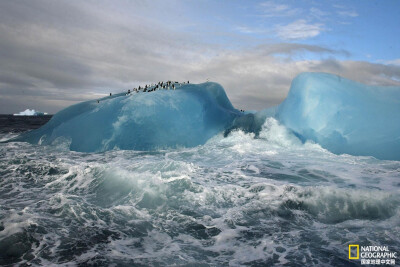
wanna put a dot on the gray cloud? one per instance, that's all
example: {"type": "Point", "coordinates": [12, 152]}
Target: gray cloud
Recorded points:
{"type": "Point", "coordinates": [55, 53]}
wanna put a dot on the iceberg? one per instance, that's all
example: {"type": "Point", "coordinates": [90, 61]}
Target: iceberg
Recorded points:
{"type": "Point", "coordinates": [185, 117]}
{"type": "Point", "coordinates": [30, 112]}
{"type": "Point", "coordinates": [343, 116]}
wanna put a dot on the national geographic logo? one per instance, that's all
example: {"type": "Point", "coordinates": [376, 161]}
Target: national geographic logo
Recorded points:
{"type": "Point", "coordinates": [378, 255]}
{"type": "Point", "coordinates": [354, 252]}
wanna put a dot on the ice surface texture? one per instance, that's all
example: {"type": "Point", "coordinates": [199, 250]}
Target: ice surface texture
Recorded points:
{"type": "Point", "coordinates": [344, 116]}
{"type": "Point", "coordinates": [187, 116]}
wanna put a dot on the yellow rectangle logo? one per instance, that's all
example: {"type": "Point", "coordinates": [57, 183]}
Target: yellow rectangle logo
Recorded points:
{"type": "Point", "coordinates": [358, 252]}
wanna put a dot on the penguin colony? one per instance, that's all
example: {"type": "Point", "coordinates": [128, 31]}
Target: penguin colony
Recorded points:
{"type": "Point", "coordinates": [154, 87]}
{"type": "Point", "coordinates": [169, 85]}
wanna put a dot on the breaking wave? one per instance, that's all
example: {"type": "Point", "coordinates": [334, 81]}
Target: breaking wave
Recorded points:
{"type": "Point", "coordinates": [236, 200]}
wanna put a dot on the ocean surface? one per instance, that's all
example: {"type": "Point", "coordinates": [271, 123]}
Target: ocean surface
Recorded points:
{"type": "Point", "coordinates": [235, 201]}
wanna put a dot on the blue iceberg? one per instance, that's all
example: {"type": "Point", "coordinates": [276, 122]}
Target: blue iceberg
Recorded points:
{"type": "Point", "coordinates": [187, 116]}
{"type": "Point", "coordinates": [343, 116]}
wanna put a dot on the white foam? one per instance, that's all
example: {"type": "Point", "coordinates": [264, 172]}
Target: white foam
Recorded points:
{"type": "Point", "coordinates": [234, 201]}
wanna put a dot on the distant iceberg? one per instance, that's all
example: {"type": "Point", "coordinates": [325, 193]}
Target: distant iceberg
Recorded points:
{"type": "Point", "coordinates": [30, 112]}
{"type": "Point", "coordinates": [342, 116]}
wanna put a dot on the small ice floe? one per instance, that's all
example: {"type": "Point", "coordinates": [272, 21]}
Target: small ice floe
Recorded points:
{"type": "Point", "coordinates": [30, 112]}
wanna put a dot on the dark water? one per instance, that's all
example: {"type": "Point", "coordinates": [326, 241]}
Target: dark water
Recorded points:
{"type": "Point", "coordinates": [17, 124]}
{"type": "Point", "coordinates": [235, 201]}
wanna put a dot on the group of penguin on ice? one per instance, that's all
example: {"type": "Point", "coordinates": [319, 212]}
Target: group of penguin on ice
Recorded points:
{"type": "Point", "coordinates": [159, 86]}
{"type": "Point", "coordinates": [154, 87]}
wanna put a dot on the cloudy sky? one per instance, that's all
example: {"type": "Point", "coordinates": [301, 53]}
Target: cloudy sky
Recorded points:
{"type": "Point", "coordinates": [55, 53]}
